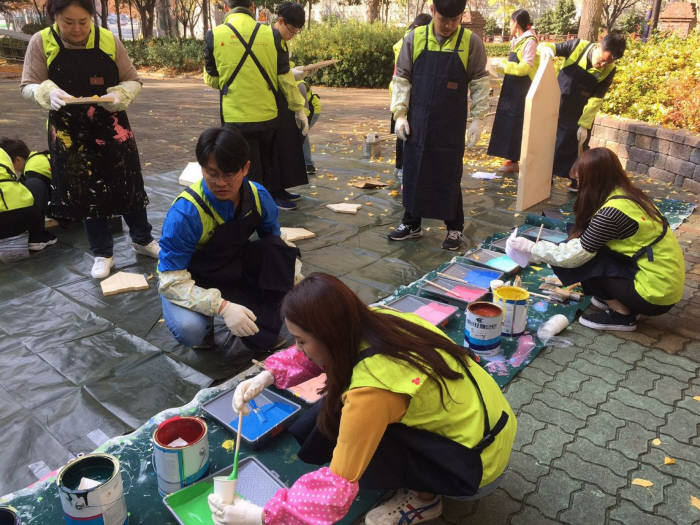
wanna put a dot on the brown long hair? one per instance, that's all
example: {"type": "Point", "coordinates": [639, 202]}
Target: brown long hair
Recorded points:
{"type": "Point", "coordinates": [599, 172]}
{"type": "Point", "coordinates": [326, 308]}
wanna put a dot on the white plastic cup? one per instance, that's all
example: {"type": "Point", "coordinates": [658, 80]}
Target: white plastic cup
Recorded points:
{"type": "Point", "coordinates": [496, 283]}
{"type": "Point", "coordinates": [225, 488]}
{"type": "Point", "coordinates": [553, 326]}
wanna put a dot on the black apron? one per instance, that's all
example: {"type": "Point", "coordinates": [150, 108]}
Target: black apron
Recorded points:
{"type": "Point", "coordinates": [437, 113]}
{"type": "Point", "coordinates": [577, 85]}
{"type": "Point", "coordinates": [94, 160]}
{"type": "Point", "coordinates": [256, 274]}
{"type": "Point", "coordinates": [408, 457]}
{"type": "Point", "coordinates": [507, 131]}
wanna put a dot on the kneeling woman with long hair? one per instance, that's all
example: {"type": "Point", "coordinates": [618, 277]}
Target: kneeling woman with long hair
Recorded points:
{"type": "Point", "coordinates": [405, 408]}
{"type": "Point", "coordinates": [621, 249]}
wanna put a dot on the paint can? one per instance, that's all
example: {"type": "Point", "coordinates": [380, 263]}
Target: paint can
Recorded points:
{"type": "Point", "coordinates": [91, 492]}
{"type": "Point", "coordinates": [8, 516]}
{"type": "Point", "coordinates": [373, 146]}
{"type": "Point", "coordinates": [180, 452]}
{"type": "Point", "coordinates": [483, 328]}
{"type": "Point", "coordinates": [513, 300]}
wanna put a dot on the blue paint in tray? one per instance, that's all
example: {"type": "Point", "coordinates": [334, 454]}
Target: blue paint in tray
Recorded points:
{"type": "Point", "coordinates": [266, 417]}
{"type": "Point", "coordinates": [481, 278]}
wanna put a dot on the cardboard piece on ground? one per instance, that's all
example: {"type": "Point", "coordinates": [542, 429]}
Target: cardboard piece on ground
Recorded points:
{"type": "Point", "coordinates": [297, 234]}
{"type": "Point", "coordinates": [369, 183]}
{"type": "Point", "coordinates": [123, 282]}
{"type": "Point", "coordinates": [191, 174]}
{"type": "Point", "coordinates": [344, 207]}
{"type": "Point", "coordinates": [539, 137]}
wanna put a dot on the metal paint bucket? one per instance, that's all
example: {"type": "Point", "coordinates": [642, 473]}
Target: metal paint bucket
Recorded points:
{"type": "Point", "coordinates": [102, 504]}
{"type": "Point", "coordinates": [483, 328]}
{"type": "Point", "coordinates": [513, 300]}
{"type": "Point", "coordinates": [179, 466]}
{"type": "Point", "coordinates": [8, 516]}
{"type": "Point", "coordinates": [372, 147]}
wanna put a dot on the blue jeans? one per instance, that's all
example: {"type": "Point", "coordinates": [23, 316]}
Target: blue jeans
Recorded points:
{"type": "Point", "coordinates": [190, 328]}
{"type": "Point", "coordinates": [100, 238]}
{"type": "Point", "coordinates": [307, 145]}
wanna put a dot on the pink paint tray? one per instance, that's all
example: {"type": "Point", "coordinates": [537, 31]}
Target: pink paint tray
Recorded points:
{"type": "Point", "coordinates": [460, 293]}
{"type": "Point", "coordinates": [435, 312]}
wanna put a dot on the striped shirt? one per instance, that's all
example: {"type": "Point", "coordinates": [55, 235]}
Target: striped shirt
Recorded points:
{"type": "Point", "coordinates": [606, 225]}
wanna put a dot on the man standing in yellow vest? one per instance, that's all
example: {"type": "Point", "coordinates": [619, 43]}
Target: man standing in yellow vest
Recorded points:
{"type": "Point", "coordinates": [23, 199]}
{"type": "Point", "coordinates": [246, 62]}
{"type": "Point", "coordinates": [584, 79]}
{"type": "Point", "coordinates": [437, 66]}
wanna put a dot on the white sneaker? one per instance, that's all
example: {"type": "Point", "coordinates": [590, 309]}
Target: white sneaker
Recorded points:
{"type": "Point", "coordinates": [101, 267]}
{"type": "Point", "coordinates": [152, 249]}
{"type": "Point", "coordinates": [405, 508]}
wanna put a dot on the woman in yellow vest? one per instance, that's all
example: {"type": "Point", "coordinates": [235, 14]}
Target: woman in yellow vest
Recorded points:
{"type": "Point", "coordinates": [405, 408]}
{"type": "Point", "coordinates": [519, 69]}
{"type": "Point", "coordinates": [23, 199]}
{"type": "Point", "coordinates": [621, 248]}
{"type": "Point", "coordinates": [312, 108]}
{"type": "Point", "coordinates": [94, 159]}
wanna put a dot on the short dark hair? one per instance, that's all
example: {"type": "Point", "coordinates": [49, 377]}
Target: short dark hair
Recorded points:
{"type": "Point", "coordinates": [615, 43]}
{"type": "Point", "coordinates": [422, 19]}
{"type": "Point", "coordinates": [228, 146]}
{"type": "Point", "coordinates": [522, 18]}
{"type": "Point", "coordinates": [292, 13]}
{"type": "Point", "coordinates": [54, 7]}
{"type": "Point", "coordinates": [14, 148]}
{"type": "Point", "coordinates": [450, 8]}
{"type": "Point", "coordinates": [239, 3]}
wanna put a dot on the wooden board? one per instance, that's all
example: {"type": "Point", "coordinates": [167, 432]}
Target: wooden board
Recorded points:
{"type": "Point", "coordinates": [344, 207]}
{"type": "Point", "coordinates": [297, 234]}
{"type": "Point", "coordinates": [88, 100]}
{"type": "Point", "coordinates": [191, 174]}
{"type": "Point", "coordinates": [539, 138]}
{"type": "Point", "coordinates": [123, 282]}
{"type": "Point", "coordinates": [369, 183]}
{"type": "Point", "coordinates": [319, 65]}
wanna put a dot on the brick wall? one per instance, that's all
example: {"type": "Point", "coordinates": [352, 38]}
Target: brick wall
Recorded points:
{"type": "Point", "coordinates": [670, 155]}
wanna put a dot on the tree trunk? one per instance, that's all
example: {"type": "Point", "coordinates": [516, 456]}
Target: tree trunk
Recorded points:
{"type": "Point", "coordinates": [373, 10]}
{"type": "Point", "coordinates": [308, 22]}
{"type": "Point", "coordinates": [165, 18]}
{"type": "Point", "coordinates": [205, 16]}
{"type": "Point", "coordinates": [119, 20]}
{"type": "Point", "coordinates": [655, 15]}
{"type": "Point", "coordinates": [104, 11]}
{"type": "Point", "coordinates": [146, 22]}
{"type": "Point", "coordinates": [591, 11]}
{"type": "Point", "coordinates": [131, 21]}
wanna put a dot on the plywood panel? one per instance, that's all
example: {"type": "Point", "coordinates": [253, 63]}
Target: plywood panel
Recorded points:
{"type": "Point", "coordinates": [539, 137]}
{"type": "Point", "coordinates": [191, 174]}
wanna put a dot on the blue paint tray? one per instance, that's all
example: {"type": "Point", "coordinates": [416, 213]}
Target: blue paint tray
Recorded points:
{"type": "Point", "coordinates": [474, 275]}
{"type": "Point", "coordinates": [273, 415]}
{"type": "Point", "coordinates": [256, 483]}
{"type": "Point", "coordinates": [491, 259]}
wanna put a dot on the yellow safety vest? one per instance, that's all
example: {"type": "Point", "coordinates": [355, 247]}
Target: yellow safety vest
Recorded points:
{"type": "Point", "coordinates": [659, 281]}
{"type": "Point", "coordinates": [519, 53]}
{"type": "Point", "coordinates": [419, 35]}
{"type": "Point", "coordinates": [209, 222]}
{"type": "Point", "coordinates": [51, 48]}
{"type": "Point", "coordinates": [463, 418]}
{"type": "Point", "coordinates": [38, 163]}
{"type": "Point", "coordinates": [13, 194]}
{"type": "Point", "coordinates": [313, 101]}
{"type": "Point", "coordinates": [578, 58]}
{"type": "Point", "coordinates": [248, 98]}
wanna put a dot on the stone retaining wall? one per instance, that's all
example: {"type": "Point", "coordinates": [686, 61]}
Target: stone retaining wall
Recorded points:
{"type": "Point", "coordinates": [670, 155]}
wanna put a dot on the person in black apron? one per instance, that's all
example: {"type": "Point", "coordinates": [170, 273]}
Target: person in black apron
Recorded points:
{"type": "Point", "coordinates": [584, 79]}
{"type": "Point", "coordinates": [434, 89]}
{"type": "Point", "coordinates": [621, 248]}
{"type": "Point", "coordinates": [209, 265]}
{"type": "Point", "coordinates": [507, 130]}
{"type": "Point", "coordinates": [94, 158]}
{"type": "Point", "coordinates": [376, 389]}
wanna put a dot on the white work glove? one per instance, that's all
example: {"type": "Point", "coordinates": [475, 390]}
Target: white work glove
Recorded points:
{"type": "Point", "coordinates": [239, 319]}
{"type": "Point", "coordinates": [122, 95]}
{"type": "Point", "coordinates": [58, 98]}
{"type": "Point", "coordinates": [240, 512]}
{"type": "Point", "coordinates": [298, 73]}
{"type": "Point", "coordinates": [519, 249]}
{"type": "Point", "coordinates": [114, 104]}
{"type": "Point", "coordinates": [474, 132]}
{"type": "Point", "coordinates": [48, 95]}
{"type": "Point", "coordinates": [250, 389]}
{"type": "Point", "coordinates": [401, 128]}
{"type": "Point", "coordinates": [302, 121]}
{"type": "Point", "coordinates": [545, 52]}
{"type": "Point", "coordinates": [581, 134]}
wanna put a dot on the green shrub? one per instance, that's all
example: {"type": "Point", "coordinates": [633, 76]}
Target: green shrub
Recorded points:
{"type": "Point", "coordinates": [33, 27]}
{"type": "Point", "coordinates": [659, 82]}
{"type": "Point", "coordinates": [12, 48]}
{"type": "Point", "coordinates": [497, 49]}
{"type": "Point", "coordinates": [167, 53]}
{"type": "Point", "coordinates": [365, 53]}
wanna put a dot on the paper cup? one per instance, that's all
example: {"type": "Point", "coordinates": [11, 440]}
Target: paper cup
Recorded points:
{"type": "Point", "coordinates": [225, 488]}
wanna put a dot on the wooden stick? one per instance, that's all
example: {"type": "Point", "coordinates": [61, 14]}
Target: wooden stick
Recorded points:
{"type": "Point", "coordinates": [258, 363]}
{"type": "Point", "coordinates": [453, 277]}
{"type": "Point", "coordinates": [318, 65]}
{"type": "Point", "coordinates": [390, 308]}
{"type": "Point", "coordinates": [539, 233]}
{"type": "Point", "coordinates": [446, 290]}
{"type": "Point", "coordinates": [543, 296]}
{"type": "Point", "coordinates": [571, 287]}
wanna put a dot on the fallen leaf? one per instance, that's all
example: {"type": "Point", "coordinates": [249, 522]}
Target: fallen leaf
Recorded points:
{"type": "Point", "coordinates": [642, 482]}
{"type": "Point", "coordinates": [656, 442]}
{"type": "Point", "coordinates": [695, 502]}
{"type": "Point", "coordinates": [669, 461]}
{"type": "Point", "coordinates": [696, 398]}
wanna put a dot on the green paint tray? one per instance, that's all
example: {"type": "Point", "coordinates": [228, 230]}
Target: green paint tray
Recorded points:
{"type": "Point", "coordinates": [256, 483]}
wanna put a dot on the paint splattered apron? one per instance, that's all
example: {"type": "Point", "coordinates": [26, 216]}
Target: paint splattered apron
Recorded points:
{"type": "Point", "coordinates": [94, 160]}
{"type": "Point", "coordinates": [256, 274]}
{"type": "Point", "coordinates": [437, 113]}
{"type": "Point", "coordinates": [577, 86]}
{"type": "Point", "coordinates": [507, 131]}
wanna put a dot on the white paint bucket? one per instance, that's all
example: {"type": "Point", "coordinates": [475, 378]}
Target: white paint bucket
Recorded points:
{"type": "Point", "coordinates": [513, 300]}
{"type": "Point", "coordinates": [180, 465]}
{"type": "Point", "coordinates": [102, 502]}
{"type": "Point", "coordinates": [483, 328]}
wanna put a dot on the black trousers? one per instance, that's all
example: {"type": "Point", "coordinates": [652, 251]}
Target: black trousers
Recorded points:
{"type": "Point", "coordinates": [457, 223]}
{"type": "Point", "coordinates": [623, 290]}
{"type": "Point", "coordinates": [27, 219]}
{"type": "Point", "coordinates": [261, 140]}
{"type": "Point", "coordinates": [398, 164]}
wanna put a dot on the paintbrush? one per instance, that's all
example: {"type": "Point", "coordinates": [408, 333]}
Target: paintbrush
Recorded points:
{"type": "Point", "coordinates": [453, 277]}
{"type": "Point", "coordinates": [258, 364]}
{"type": "Point", "coordinates": [571, 286]}
{"type": "Point", "coordinates": [444, 289]}
{"type": "Point", "coordinates": [539, 233]}
{"type": "Point", "coordinates": [234, 470]}
{"type": "Point", "coordinates": [256, 411]}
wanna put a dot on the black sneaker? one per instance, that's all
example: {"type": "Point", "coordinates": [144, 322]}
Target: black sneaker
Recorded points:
{"type": "Point", "coordinates": [40, 241]}
{"type": "Point", "coordinates": [289, 196]}
{"type": "Point", "coordinates": [453, 241]}
{"type": "Point", "coordinates": [573, 186]}
{"type": "Point", "coordinates": [609, 320]}
{"type": "Point", "coordinates": [404, 231]}
{"type": "Point", "coordinates": [310, 169]}
{"type": "Point", "coordinates": [284, 204]}
{"type": "Point", "coordinates": [599, 303]}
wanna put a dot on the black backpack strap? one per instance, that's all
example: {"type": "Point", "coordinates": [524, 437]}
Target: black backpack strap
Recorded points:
{"type": "Point", "coordinates": [648, 248]}
{"type": "Point", "coordinates": [57, 38]}
{"type": "Point", "coordinates": [201, 203]}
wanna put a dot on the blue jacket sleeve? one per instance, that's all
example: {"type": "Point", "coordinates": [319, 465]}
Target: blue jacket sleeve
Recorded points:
{"type": "Point", "coordinates": [270, 214]}
{"type": "Point", "coordinates": [181, 232]}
